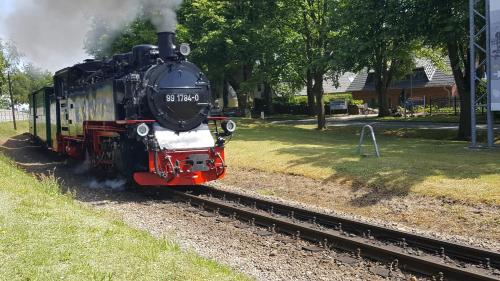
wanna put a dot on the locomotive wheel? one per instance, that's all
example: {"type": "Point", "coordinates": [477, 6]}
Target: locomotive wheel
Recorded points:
{"type": "Point", "coordinates": [125, 166]}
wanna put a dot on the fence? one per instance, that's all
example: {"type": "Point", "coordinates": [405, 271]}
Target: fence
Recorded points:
{"type": "Point", "coordinates": [433, 106]}
{"type": "Point", "coordinates": [6, 115]}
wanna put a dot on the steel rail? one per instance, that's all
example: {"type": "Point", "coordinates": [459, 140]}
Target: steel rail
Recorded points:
{"type": "Point", "coordinates": [367, 247]}
{"type": "Point", "coordinates": [453, 250]}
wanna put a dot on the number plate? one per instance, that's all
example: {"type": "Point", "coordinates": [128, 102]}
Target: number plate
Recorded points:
{"type": "Point", "coordinates": [180, 97]}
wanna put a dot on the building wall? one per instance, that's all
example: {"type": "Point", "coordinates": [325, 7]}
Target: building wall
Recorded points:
{"type": "Point", "coordinates": [370, 97]}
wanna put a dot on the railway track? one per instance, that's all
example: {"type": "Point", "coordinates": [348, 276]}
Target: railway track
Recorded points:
{"type": "Point", "coordinates": [437, 259]}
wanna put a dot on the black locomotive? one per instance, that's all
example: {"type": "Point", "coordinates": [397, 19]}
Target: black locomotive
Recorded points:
{"type": "Point", "coordinates": [144, 113]}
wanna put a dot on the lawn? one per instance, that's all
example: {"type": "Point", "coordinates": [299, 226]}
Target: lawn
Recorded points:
{"type": "Point", "coordinates": [45, 235]}
{"type": "Point", "coordinates": [7, 129]}
{"type": "Point", "coordinates": [436, 118]}
{"type": "Point", "coordinates": [431, 165]}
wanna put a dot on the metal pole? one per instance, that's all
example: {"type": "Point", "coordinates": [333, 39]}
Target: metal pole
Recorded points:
{"type": "Point", "coordinates": [489, 113]}
{"type": "Point", "coordinates": [472, 38]}
{"type": "Point", "coordinates": [12, 102]}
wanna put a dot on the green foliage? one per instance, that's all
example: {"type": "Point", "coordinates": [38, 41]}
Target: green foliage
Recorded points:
{"type": "Point", "coordinates": [444, 25]}
{"type": "Point", "coordinates": [289, 44]}
{"type": "Point", "coordinates": [297, 105]}
{"type": "Point", "coordinates": [25, 78]}
{"type": "Point", "coordinates": [244, 42]}
{"type": "Point", "coordinates": [327, 98]}
{"type": "Point", "coordinates": [3, 71]}
{"type": "Point", "coordinates": [28, 80]}
{"type": "Point", "coordinates": [381, 36]}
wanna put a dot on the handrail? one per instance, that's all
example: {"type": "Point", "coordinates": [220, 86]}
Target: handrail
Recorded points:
{"type": "Point", "coordinates": [362, 138]}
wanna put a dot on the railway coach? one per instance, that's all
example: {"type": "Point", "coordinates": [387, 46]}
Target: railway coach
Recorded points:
{"type": "Point", "coordinates": [143, 114]}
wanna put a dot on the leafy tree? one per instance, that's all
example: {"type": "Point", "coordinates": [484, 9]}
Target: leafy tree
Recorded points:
{"type": "Point", "coordinates": [25, 79]}
{"type": "Point", "coordinates": [3, 79]}
{"type": "Point", "coordinates": [318, 29]}
{"type": "Point", "coordinates": [242, 43]}
{"type": "Point", "coordinates": [28, 80]}
{"type": "Point", "coordinates": [279, 65]}
{"type": "Point", "coordinates": [380, 35]}
{"type": "Point", "coordinates": [444, 24]}
{"type": "Point", "coordinates": [9, 61]}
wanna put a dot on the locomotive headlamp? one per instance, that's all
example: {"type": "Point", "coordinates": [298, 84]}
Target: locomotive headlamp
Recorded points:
{"type": "Point", "coordinates": [185, 49]}
{"type": "Point", "coordinates": [142, 130]}
{"type": "Point", "coordinates": [229, 127]}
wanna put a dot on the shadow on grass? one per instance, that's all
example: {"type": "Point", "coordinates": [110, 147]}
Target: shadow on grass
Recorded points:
{"type": "Point", "coordinates": [38, 160]}
{"type": "Point", "coordinates": [405, 162]}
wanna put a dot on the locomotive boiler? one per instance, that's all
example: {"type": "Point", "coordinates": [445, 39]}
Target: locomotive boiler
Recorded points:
{"type": "Point", "coordinates": [144, 114]}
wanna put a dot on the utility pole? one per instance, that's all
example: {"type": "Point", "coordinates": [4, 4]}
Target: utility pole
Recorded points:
{"type": "Point", "coordinates": [12, 101]}
{"type": "Point", "coordinates": [478, 45]}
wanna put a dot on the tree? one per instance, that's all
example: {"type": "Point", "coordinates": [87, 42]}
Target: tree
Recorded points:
{"type": "Point", "coordinates": [25, 78]}
{"type": "Point", "coordinates": [28, 80]}
{"type": "Point", "coordinates": [379, 35]}
{"type": "Point", "coordinates": [280, 64]}
{"type": "Point", "coordinates": [317, 24]}
{"type": "Point", "coordinates": [242, 43]}
{"type": "Point", "coordinates": [444, 24]}
{"type": "Point", "coordinates": [9, 61]}
{"type": "Point", "coordinates": [3, 79]}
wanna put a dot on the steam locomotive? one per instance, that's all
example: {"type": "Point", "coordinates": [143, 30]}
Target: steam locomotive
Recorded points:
{"type": "Point", "coordinates": [143, 114]}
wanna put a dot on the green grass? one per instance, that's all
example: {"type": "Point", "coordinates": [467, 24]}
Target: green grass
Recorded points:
{"type": "Point", "coordinates": [45, 235]}
{"type": "Point", "coordinates": [437, 118]}
{"type": "Point", "coordinates": [433, 165]}
{"type": "Point", "coordinates": [7, 129]}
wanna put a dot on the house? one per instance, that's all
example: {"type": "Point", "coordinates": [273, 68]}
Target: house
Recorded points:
{"type": "Point", "coordinates": [329, 87]}
{"type": "Point", "coordinates": [426, 83]}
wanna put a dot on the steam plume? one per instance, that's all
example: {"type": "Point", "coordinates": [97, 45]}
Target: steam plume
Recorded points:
{"type": "Point", "coordinates": [51, 33]}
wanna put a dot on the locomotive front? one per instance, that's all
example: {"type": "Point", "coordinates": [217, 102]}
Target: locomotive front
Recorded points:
{"type": "Point", "coordinates": [181, 147]}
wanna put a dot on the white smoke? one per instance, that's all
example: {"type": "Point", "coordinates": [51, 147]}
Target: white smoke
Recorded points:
{"type": "Point", "coordinates": [163, 14]}
{"type": "Point", "coordinates": [51, 33]}
{"type": "Point", "coordinates": [116, 184]}
{"type": "Point", "coordinates": [83, 167]}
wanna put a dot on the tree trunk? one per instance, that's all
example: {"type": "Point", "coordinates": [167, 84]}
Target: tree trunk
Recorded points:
{"type": "Point", "coordinates": [238, 77]}
{"type": "Point", "coordinates": [311, 104]}
{"type": "Point", "coordinates": [247, 74]}
{"type": "Point", "coordinates": [383, 105]}
{"type": "Point", "coordinates": [225, 93]}
{"type": "Point", "coordinates": [268, 96]}
{"type": "Point", "coordinates": [318, 93]}
{"type": "Point", "coordinates": [242, 97]}
{"type": "Point", "coordinates": [463, 85]}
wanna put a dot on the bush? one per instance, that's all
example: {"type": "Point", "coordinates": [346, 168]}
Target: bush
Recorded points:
{"type": "Point", "coordinates": [298, 104]}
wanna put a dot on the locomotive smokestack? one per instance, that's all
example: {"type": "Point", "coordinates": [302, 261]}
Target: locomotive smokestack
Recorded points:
{"type": "Point", "coordinates": [166, 45]}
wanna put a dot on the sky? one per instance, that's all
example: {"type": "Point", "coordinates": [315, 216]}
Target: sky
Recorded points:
{"type": "Point", "coordinates": [6, 6]}
{"type": "Point", "coordinates": [51, 34]}
{"type": "Point", "coordinates": [74, 54]}
{"type": "Point", "coordinates": [495, 5]}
